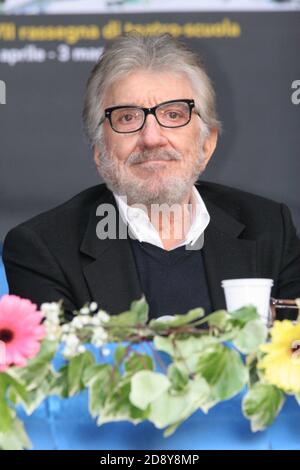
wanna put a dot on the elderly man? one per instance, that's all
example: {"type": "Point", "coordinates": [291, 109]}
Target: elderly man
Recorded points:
{"type": "Point", "coordinates": [150, 117]}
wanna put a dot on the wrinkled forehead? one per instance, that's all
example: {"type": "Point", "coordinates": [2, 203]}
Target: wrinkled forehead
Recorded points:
{"type": "Point", "coordinates": [148, 88]}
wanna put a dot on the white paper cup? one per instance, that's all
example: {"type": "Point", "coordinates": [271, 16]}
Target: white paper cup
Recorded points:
{"type": "Point", "coordinates": [241, 292]}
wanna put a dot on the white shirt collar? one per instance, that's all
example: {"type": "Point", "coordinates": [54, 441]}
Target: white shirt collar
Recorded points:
{"type": "Point", "coordinates": [143, 230]}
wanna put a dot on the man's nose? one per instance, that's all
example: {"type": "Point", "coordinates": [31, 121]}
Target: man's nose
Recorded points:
{"type": "Point", "coordinates": [151, 135]}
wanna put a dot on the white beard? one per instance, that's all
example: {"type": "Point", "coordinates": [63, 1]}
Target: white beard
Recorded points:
{"type": "Point", "coordinates": [158, 188]}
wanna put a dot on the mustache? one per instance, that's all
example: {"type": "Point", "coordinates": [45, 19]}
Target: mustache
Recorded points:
{"type": "Point", "coordinates": [152, 155]}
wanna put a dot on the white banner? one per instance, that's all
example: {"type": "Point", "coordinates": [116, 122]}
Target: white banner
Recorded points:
{"type": "Point", "coordinates": [141, 6]}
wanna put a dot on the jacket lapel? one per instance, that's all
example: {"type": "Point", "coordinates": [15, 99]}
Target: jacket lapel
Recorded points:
{"type": "Point", "coordinates": [110, 271]}
{"type": "Point", "coordinates": [226, 254]}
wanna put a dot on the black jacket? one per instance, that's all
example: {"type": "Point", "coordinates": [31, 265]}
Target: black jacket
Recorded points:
{"type": "Point", "coordinates": [57, 254]}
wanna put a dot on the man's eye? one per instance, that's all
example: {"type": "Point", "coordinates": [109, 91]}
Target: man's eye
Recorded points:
{"type": "Point", "coordinates": [126, 117]}
{"type": "Point", "coordinates": [173, 115]}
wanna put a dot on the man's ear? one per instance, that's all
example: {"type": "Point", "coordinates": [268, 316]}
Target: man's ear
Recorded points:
{"type": "Point", "coordinates": [210, 144]}
{"type": "Point", "coordinates": [97, 157]}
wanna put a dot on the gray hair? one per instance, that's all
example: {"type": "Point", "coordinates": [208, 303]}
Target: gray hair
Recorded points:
{"type": "Point", "coordinates": [159, 53]}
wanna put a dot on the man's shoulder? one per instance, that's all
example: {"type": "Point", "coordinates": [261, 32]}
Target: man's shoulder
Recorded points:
{"type": "Point", "coordinates": [69, 216]}
{"type": "Point", "coordinates": [245, 207]}
{"type": "Point", "coordinates": [233, 199]}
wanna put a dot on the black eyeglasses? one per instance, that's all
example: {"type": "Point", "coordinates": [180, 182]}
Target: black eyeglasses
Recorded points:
{"type": "Point", "coordinates": [171, 114]}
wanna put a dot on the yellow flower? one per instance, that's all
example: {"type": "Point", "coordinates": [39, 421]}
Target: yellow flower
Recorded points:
{"type": "Point", "coordinates": [281, 363]}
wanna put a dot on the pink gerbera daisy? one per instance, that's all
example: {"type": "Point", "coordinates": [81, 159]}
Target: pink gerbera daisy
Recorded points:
{"type": "Point", "coordinates": [20, 331]}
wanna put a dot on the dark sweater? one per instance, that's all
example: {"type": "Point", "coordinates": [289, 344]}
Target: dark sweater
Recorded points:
{"type": "Point", "coordinates": [173, 282]}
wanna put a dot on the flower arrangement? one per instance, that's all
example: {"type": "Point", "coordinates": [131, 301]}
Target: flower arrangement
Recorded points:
{"type": "Point", "coordinates": [162, 371]}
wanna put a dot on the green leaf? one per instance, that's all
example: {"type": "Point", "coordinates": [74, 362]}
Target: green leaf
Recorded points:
{"type": "Point", "coordinates": [171, 429]}
{"type": "Point", "coordinates": [137, 315]}
{"type": "Point", "coordinates": [183, 348]}
{"type": "Point", "coordinates": [170, 410]}
{"type": "Point", "coordinates": [118, 406]}
{"type": "Point", "coordinates": [101, 379]}
{"type": "Point", "coordinates": [120, 354]}
{"type": "Point", "coordinates": [16, 438]}
{"type": "Point", "coordinates": [244, 315]}
{"type": "Point", "coordinates": [99, 391]}
{"type": "Point", "coordinates": [254, 373]}
{"type": "Point", "coordinates": [33, 371]}
{"type": "Point", "coordinates": [34, 375]}
{"type": "Point", "coordinates": [16, 388]}
{"type": "Point", "coordinates": [92, 372]}
{"type": "Point", "coordinates": [97, 397]}
{"type": "Point", "coordinates": [185, 352]}
{"type": "Point", "coordinates": [38, 368]}
{"type": "Point", "coordinates": [178, 378]}
{"type": "Point", "coordinates": [6, 416]}
{"type": "Point", "coordinates": [137, 362]}
{"type": "Point", "coordinates": [220, 319]}
{"type": "Point", "coordinates": [59, 384]}
{"type": "Point", "coordinates": [34, 398]}
{"type": "Point", "coordinates": [223, 370]}
{"type": "Point", "coordinates": [251, 337]}
{"type": "Point", "coordinates": [177, 320]}
{"type": "Point", "coordinates": [146, 386]}
{"type": "Point", "coordinates": [76, 368]}
{"type": "Point", "coordinates": [262, 404]}
{"type": "Point", "coordinates": [46, 353]}
{"type": "Point", "coordinates": [140, 309]}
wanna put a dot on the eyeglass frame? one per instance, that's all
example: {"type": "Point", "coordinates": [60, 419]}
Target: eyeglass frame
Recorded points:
{"type": "Point", "coordinates": [147, 111]}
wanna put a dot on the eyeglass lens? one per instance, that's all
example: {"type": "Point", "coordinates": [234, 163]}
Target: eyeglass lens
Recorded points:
{"type": "Point", "coordinates": [129, 119]}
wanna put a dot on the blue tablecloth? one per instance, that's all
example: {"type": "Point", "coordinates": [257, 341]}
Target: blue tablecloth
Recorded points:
{"type": "Point", "coordinates": [66, 424]}
{"type": "Point", "coordinates": [3, 283]}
